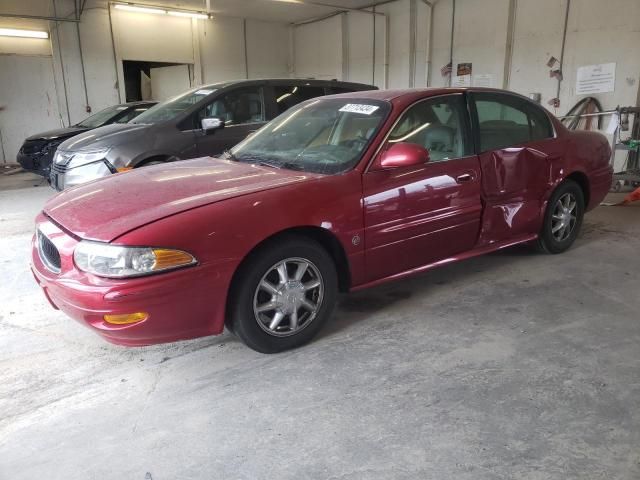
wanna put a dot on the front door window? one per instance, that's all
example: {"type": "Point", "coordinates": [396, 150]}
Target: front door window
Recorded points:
{"type": "Point", "coordinates": [436, 124]}
{"type": "Point", "coordinates": [238, 107]}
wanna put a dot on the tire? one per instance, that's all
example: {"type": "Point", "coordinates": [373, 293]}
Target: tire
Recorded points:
{"type": "Point", "coordinates": [272, 308]}
{"type": "Point", "coordinates": [562, 219]}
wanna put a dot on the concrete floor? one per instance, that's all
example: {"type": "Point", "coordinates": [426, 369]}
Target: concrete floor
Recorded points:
{"type": "Point", "coordinates": [510, 366]}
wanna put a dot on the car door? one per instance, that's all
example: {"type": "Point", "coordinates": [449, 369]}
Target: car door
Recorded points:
{"type": "Point", "coordinates": [421, 214]}
{"type": "Point", "coordinates": [516, 150]}
{"type": "Point", "coordinates": [243, 111]}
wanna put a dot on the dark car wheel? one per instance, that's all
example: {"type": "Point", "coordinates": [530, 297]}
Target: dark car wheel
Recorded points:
{"type": "Point", "coordinates": [563, 218]}
{"type": "Point", "coordinates": [284, 295]}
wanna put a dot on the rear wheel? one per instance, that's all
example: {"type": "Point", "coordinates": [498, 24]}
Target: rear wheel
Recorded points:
{"type": "Point", "coordinates": [284, 295]}
{"type": "Point", "coordinates": [563, 218]}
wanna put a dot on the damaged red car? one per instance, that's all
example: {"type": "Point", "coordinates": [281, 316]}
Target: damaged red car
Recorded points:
{"type": "Point", "coordinates": [336, 194]}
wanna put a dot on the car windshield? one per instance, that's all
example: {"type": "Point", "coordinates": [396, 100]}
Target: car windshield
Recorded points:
{"type": "Point", "coordinates": [173, 107]}
{"type": "Point", "coordinates": [325, 136]}
{"type": "Point", "coordinates": [103, 117]}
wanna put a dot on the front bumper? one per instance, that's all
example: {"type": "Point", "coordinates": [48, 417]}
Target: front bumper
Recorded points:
{"type": "Point", "coordinates": [62, 177]}
{"type": "Point", "coordinates": [180, 304]}
{"type": "Point", "coordinates": [37, 163]}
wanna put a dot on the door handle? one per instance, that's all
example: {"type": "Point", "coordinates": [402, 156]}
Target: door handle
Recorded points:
{"type": "Point", "coordinates": [465, 177]}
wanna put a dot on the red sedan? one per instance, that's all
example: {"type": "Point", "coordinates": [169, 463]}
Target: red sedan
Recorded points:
{"type": "Point", "coordinates": [336, 194]}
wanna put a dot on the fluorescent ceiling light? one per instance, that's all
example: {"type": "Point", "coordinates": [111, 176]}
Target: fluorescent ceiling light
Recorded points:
{"type": "Point", "coordinates": [135, 8]}
{"type": "Point", "coordinates": [13, 32]}
{"type": "Point", "coordinates": [160, 11]}
{"type": "Point", "coordinates": [177, 13]}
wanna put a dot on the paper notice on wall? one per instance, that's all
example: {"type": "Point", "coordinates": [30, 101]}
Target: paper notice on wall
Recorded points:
{"type": "Point", "coordinates": [461, 81]}
{"type": "Point", "coordinates": [463, 75]}
{"type": "Point", "coordinates": [596, 79]}
{"type": "Point", "coordinates": [483, 80]}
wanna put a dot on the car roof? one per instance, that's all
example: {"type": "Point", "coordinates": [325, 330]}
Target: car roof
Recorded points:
{"type": "Point", "coordinates": [139, 102]}
{"type": "Point", "coordinates": [292, 81]}
{"type": "Point", "coordinates": [410, 94]}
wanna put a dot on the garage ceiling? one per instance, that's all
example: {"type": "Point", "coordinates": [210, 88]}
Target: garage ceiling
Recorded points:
{"type": "Point", "coordinates": [268, 10]}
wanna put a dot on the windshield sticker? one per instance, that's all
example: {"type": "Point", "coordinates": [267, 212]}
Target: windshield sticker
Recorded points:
{"type": "Point", "coordinates": [204, 91]}
{"type": "Point", "coordinates": [359, 108]}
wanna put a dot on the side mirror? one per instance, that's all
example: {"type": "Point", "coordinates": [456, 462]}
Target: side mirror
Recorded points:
{"type": "Point", "coordinates": [211, 124]}
{"type": "Point", "coordinates": [403, 155]}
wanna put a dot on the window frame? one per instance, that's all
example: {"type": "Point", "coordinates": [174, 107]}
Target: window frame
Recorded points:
{"type": "Point", "coordinates": [467, 126]}
{"type": "Point", "coordinates": [512, 98]}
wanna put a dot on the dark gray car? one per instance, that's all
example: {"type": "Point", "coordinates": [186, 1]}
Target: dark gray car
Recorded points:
{"type": "Point", "coordinates": [37, 151]}
{"type": "Point", "coordinates": [186, 126]}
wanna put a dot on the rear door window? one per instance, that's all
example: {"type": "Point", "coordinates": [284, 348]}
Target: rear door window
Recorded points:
{"type": "Point", "coordinates": [289, 95]}
{"type": "Point", "coordinates": [506, 120]}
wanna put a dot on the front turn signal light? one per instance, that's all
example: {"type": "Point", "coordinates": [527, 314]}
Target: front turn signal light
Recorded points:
{"type": "Point", "coordinates": [171, 258]}
{"type": "Point", "coordinates": [123, 169]}
{"type": "Point", "coordinates": [126, 318]}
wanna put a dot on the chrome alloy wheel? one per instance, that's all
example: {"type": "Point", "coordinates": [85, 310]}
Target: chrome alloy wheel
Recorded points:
{"type": "Point", "coordinates": [564, 217]}
{"type": "Point", "coordinates": [288, 297]}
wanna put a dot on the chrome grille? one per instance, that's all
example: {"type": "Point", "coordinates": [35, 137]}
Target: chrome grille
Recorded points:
{"type": "Point", "coordinates": [60, 169]}
{"type": "Point", "coordinates": [56, 176]}
{"type": "Point", "coordinates": [48, 253]}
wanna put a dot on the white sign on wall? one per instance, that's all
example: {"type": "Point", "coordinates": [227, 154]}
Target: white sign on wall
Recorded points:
{"type": "Point", "coordinates": [483, 80]}
{"type": "Point", "coordinates": [461, 81]}
{"type": "Point", "coordinates": [596, 79]}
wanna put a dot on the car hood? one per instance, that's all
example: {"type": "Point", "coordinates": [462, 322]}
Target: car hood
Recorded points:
{"type": "Point", "coordinates": [104, 137]}
{"type": "Point", "coordinates": [58, 133]}
{"type": "Point", "coordinates": [105, 209]}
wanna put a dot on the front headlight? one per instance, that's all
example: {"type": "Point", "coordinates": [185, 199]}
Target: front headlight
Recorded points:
{"type": "Point", "coordinates": [82, 158]}
{"type": "Point", "coordinates": [115, 261]}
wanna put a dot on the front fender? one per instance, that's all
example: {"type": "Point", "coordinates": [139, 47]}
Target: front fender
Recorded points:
{"type": "Point", "coordinates": [220, 235]}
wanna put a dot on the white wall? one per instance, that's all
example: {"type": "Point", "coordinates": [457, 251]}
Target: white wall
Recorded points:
{"type": "Point", "coordinates": [598, 32]}
{"type": "Point", "coordinates": [318, 49]}
{"type": "Point", "coordinates": [34, 93]}
{"type": "Point", "coordinates": [267, 49]}
{"type": "Point", "coordinates": [26, 85]}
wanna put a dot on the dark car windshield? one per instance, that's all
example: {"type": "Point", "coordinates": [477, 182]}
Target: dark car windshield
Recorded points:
{"type": "Point", "coordinates": [173, 107]}
{"type": "Point", "coordinates": [103, 117]}
{"type": "Point", "coordinates": [321, 136]}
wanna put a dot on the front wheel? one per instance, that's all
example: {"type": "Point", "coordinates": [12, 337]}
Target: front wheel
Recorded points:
{"type": "Point", "coordinates": [284, 295]}
{"type": "Point", "coordinates": [563, 218]}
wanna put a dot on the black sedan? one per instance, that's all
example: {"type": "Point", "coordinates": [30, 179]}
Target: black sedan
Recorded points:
{"type": "Point", "coordinates": [37, 151]}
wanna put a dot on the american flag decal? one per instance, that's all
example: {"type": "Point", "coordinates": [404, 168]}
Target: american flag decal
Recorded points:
{"type": "Point", "coordinates": [446, 70]}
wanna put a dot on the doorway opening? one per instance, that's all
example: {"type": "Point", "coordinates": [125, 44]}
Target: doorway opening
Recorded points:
{"type": "Point", "coordinates": [155, 80]}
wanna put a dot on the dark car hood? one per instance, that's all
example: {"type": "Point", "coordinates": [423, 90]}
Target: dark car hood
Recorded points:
{"type": "Point", "coordinates": [104, 137]}
{"type": "Point", "coordinates": [107, 208]}
{"type": "Point", "coordinates": [58, 134]}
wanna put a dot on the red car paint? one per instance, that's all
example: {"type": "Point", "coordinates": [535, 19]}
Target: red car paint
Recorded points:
{"type": "Point", "coordinates": [382, 224]}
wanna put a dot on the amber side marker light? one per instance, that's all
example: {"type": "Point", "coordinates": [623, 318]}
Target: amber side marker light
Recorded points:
{"type": "Point", "coordinates": [124, 169]}
{"type": "Point", "coordinates": [170, 258]}
{"type": "Point", "coordinates": [126, 318]}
